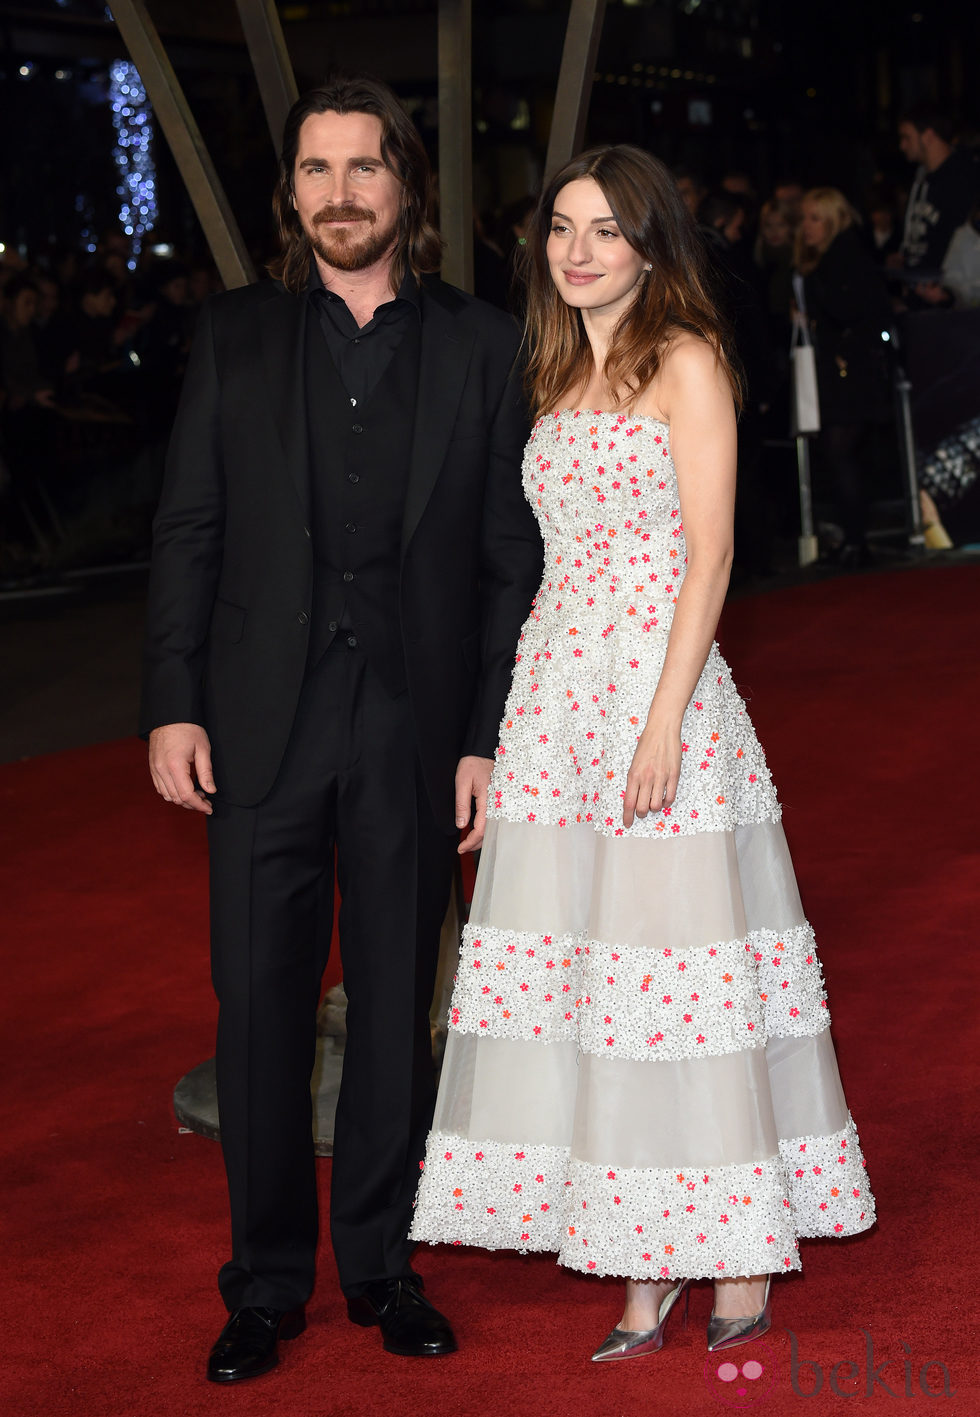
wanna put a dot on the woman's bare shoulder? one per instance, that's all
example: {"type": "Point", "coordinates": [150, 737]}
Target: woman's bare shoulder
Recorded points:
{"type": "Point", "coordinates": [688, 364]}
{"type": "Point", "coordinates": [687, 355]}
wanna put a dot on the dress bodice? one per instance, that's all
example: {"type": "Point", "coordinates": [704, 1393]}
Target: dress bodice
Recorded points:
{"type": "Point", "coordinates": [604, 490]}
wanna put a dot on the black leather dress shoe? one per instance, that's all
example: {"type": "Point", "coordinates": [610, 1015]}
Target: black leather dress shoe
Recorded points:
{"type": "Point", "coordinates": [409, 1324]}
{"type": "Point", "coordinates": [248, 1345]}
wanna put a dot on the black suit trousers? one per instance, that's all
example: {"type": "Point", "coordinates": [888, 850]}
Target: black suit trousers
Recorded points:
{"type": "Point", "coordinates": [348, 790]}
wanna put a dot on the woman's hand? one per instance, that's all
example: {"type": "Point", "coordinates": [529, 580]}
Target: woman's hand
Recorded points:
{"type": "Point", "coordinates": [651, 783]}
{"type": "Point", "coordinates": [472, 785]}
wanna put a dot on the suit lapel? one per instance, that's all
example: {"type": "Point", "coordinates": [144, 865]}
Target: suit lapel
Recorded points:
{"type": "Point", "coordinates": [444, 359]}
{"type": "Point", "coordinates": [283, 324]}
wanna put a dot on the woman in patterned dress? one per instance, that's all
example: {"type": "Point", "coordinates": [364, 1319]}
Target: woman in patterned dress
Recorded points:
{"type": "Point", "coordinates": [639, 1073]}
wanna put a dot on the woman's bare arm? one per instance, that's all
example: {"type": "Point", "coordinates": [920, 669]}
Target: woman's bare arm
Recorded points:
{"type": "Point", "coordinates": [694, 394]}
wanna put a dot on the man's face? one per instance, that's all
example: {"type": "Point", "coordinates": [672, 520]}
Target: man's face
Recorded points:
{"type": "Point", "coordinates": [910, 142]}
{"type": "Point", "coordinates": [347, 200]}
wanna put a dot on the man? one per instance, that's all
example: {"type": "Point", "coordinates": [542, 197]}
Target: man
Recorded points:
{"type": "Point", "coordinates": [942, 196]}
{"type": "Point", "coordinates": [343, 560]}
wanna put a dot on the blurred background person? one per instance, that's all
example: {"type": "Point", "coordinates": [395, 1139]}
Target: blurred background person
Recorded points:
{"type": "Point", "coordinates": [961, 267]}
{"type": "Point", "coordinates": [27, 417]}
{"type": "Point", "coordinates": [884, 224]}
{"type": "Point", "coordinates": [773, 255]}
{"type": "Point", "coordinates": [722, 227]}
{"type": "Point", "coordinates": [20, 364]}
{"type": "Point", "coordinates": [847, 307]}
{"type": "Point", "coordinates": [943, 193]}
{"type": "Point", "coordinates": [692, 187]}
{"type": "Point", "coordinates": [788, 191]}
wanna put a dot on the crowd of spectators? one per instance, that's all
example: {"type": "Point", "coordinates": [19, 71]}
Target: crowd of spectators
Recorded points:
{"type": "Point", "coordinates": [92, 354]}
{"type": "Point", "coordinates": [91, 360]}
{"type": "Point", "coordinates": [806, 255]}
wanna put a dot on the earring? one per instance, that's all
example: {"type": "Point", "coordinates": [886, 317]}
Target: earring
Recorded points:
{"type": "Point", "coordinates": [648, 268]}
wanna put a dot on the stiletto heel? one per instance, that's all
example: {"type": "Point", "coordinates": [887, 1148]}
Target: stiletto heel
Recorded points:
{"type": "Point", "coordinates": [635, 1343]}
{"type": "Point", "coordinates": [726, 1333]}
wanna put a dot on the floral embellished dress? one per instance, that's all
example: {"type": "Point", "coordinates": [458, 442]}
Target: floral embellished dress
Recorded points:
{"type": "Point", "coordinates": [639, 1073]}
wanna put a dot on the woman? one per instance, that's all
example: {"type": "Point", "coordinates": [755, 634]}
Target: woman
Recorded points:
{"type": "Point", "coordinates": [848, 308]}
{"type": "Point", "coordinates": [773, 254]}
{"type": "Point", "coordinates": [639, 1073]}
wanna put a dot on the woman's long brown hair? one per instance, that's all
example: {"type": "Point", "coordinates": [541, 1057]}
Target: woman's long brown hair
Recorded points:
{"type": "Point", "coordinates": [676, 295]}
{"type": "Point", "coordinates": [419, 247]}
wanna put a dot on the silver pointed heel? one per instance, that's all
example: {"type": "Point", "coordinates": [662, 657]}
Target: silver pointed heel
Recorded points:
{"type": "Point", "coordinates": [727, 1333]}
{"type": "Point", "coordinates": [636, 1343]}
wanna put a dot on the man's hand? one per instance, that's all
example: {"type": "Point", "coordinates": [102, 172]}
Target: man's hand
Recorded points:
{"type": "Point", "coordinates": [180, 765]}
{"type": "Point", "coordinates": [472, 781]}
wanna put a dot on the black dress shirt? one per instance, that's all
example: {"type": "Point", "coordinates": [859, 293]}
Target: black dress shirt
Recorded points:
{"type": "Point", "coordinates": [362, 353]}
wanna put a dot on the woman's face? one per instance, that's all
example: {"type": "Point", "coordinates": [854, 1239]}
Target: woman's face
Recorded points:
{"type": "Point", "coordinates": [591, 262]}
{"type": "Point", "coordinates": [815, 226]}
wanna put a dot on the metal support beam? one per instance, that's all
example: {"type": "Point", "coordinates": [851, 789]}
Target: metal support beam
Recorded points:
{"type": "Point", "coordinates": [578, 60]}
{"type": "Point", "coordinates": [271, 62]}
{"type": "Point", "coordinates": [182, 133]}
{"type": "Point", "coordinates": [456, 141]}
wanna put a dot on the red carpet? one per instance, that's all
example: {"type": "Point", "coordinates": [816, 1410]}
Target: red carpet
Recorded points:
{"type": "Point", "coordinates": [865, 694]}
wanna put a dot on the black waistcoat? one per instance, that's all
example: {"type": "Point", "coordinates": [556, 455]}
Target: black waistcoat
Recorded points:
{"type": "Point", "coordinates": [359, 460]}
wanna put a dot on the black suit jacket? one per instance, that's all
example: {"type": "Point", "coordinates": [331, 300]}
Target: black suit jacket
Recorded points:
{"type": "Point", "coordinates": [230, 594]}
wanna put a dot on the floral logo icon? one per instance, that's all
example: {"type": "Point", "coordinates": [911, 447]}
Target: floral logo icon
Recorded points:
{"type": "Point", "coordinates": [741, 1381]}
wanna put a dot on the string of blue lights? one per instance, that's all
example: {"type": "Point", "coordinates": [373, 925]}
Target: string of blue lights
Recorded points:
{"type": "Point", "coordinates": [132, 119]}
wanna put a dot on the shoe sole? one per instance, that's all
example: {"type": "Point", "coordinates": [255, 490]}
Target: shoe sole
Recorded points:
{"type": "Point", "coordinates": [242, 1377]}
{"type": "Point", "coordinates": [416, 1353]}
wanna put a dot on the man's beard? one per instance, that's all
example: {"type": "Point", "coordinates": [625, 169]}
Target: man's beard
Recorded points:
{"type": "Point", "coordinates": [346, 248]}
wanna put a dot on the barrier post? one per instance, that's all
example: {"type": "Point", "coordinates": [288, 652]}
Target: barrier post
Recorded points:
{"type": "Point", "coordinates": [808, 547]}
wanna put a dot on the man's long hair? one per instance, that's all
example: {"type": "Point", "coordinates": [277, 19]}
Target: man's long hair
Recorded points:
{"type": "Point", "coordinates": [419, 245]}
{"type": "Point", "coordinates": [676, 295]}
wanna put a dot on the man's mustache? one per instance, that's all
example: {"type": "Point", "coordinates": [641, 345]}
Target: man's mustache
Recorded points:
{"type": "Point", "coordinates": [347, 211]}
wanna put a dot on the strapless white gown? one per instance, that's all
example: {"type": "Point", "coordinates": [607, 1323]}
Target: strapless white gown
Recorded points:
{"type": "Point", "coordinates": [639, 1073]}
